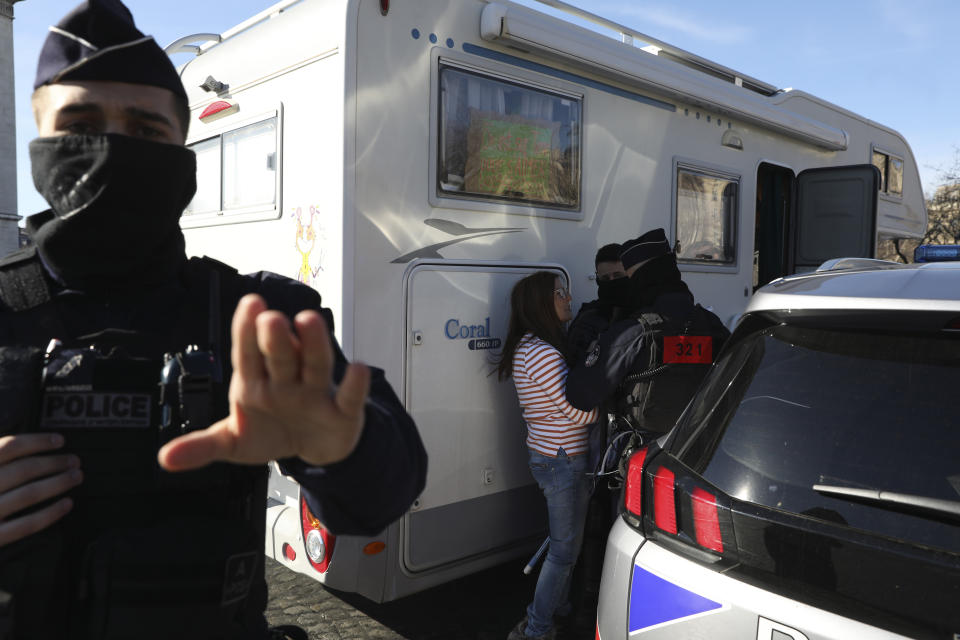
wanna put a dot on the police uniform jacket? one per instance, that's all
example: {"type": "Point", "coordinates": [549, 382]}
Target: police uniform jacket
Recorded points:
{"type": "Point", "coordinates": [359, 495]}
{"type": "Point", "coordinates": [591, 320]}
{"type": "Point", "coordinates": [624, 347]}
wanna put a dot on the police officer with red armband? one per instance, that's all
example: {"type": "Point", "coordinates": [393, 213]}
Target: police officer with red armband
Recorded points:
{"type": "Point", "coordinates": [647, 366]}
{"type": "Point", "coordinates": [135, 418]}
{"type": "Point", "coordinates": [595, 316]}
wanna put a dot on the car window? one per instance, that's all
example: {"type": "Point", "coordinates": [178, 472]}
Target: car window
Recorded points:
{"type": "Point", "coordinates": [792, 407]}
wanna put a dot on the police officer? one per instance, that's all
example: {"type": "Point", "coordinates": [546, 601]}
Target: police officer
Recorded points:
{"type": "Point", "coordinates": [595, 316]}
{"type": "Point", "coordinates": [627, 365]}
{"type": "Point", "coordinates": [109, 268]}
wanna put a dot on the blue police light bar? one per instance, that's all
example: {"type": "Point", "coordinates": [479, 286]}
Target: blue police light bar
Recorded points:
{"type": "Point", "coordinates": [936, 253]}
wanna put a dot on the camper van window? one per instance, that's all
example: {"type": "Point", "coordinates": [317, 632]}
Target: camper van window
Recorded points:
{"type": "Point", "coordinates": [706, 216]}
{"type": "Point", "coordinates": [503, 141]}
{"type": "Point", "coordinates": [249, 166]}
{"type": "Point", "coordinates": [895, 176]}
{"type": "Point", "coordinates": [207, 198]}
{"type": "Point", "coordinates": [880, 162]}
{"type": "Point", "coordinates": [236, 170]}
{"type": "Point", "coordinates": [891, 172]}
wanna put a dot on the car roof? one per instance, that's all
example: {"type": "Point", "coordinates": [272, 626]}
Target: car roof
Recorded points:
{"type": "Point", "coordinates": [865, 285]}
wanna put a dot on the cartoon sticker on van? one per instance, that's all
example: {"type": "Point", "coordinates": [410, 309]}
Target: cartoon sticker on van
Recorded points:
{"type": "Point", "coordinates": [308, 229]}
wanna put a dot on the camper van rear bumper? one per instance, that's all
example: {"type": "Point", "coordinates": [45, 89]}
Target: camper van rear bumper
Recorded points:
{"type": "Point", "coordinates": [283, 528]}
{"type": "Point", "coordinates": [345, 571]}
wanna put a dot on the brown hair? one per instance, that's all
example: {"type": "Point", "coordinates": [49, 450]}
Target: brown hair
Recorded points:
{"type": "Point", "coordinates": [532, 310]}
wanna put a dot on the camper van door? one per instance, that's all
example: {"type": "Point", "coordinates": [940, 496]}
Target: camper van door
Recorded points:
{"type": "Point", "coordinates": [480, 497]}
{"type": "Point", "coordinates": [835, 216]}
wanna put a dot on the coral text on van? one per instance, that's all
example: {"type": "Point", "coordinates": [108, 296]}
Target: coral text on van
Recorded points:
{"type": "Point", "coordinates": [479, 334]}
{"type": "Point", "coordinates": [453, 329]}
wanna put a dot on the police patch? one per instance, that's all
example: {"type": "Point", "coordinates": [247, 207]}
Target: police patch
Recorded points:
{"type": "Point", "coordinates": [73, 409]}
{"type": "Point", "coordinates": [593, 354]}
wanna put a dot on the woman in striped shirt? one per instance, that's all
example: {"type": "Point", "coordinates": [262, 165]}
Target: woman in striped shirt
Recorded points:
{"type": "Point", "coordinates": [533, 354]}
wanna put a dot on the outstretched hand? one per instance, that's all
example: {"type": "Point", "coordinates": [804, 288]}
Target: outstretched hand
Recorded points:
{"type": "Point", "coordinates": [283, 402]}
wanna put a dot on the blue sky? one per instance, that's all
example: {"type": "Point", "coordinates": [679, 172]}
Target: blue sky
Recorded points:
{"type": "Point", "coordinates": [888, 60]}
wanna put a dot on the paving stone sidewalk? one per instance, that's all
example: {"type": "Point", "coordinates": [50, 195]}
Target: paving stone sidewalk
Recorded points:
{"type": "Point", "coordinates": [484, 606]}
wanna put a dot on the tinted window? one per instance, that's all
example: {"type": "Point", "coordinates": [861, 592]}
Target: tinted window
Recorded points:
{"type": "Point", "coordinates": [792, 407]}
{"type": "Point", "coordinates": [504, 141]}
{"type": "Point", "coordinates": [706, 214]}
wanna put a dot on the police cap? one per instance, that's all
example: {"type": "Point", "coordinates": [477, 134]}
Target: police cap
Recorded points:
{"type": "Point", "coordinates": [99, 41]}
{"type": "Point", "coordinates": [652, 244]}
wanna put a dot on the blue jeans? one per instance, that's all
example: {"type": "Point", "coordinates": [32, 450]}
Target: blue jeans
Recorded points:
{"type": "Point", "coordinates": [564, 483]}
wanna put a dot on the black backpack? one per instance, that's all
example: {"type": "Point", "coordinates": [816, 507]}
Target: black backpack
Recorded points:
{"type": "Point", "coordinates": [680, 353]}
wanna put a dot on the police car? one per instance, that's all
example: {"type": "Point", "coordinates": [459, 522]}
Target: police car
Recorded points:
{"type": "Point", "coordinates": [811, 489]}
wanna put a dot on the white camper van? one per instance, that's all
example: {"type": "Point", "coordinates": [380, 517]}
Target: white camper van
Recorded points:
{"type": "Point", "coordinates": [412, 160]}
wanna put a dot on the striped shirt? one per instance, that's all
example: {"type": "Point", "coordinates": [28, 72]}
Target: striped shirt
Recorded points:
{"type": "Point", "coordinates": [540, 375]}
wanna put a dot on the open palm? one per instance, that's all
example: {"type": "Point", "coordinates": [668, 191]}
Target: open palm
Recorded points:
{"type": "Point", "coordinates": [283, 401]}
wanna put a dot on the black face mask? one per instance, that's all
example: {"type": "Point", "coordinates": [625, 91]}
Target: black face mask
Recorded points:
{"type": "Point", "coordinates": [116, 203]}
{"type": "Point", "coordinates": [616, 293]}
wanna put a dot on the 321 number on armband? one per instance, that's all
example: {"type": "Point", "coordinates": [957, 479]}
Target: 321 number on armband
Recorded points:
{"type": "Point", "coordinates": [688, 349]}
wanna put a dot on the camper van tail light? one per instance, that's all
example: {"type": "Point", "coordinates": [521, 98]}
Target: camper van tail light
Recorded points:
{"type": "Point", "coordinates": [633, 487]}
{"type": "Point", "coordinates": [664, 501]}
{"type": "Point", "coordinates": [316, 549]}
{"type": "Point", "coordinates": [374, 548]}
{"type": "Point", "coordinates": [318, 542]}
{"type": "Point", "coordinates": [706, 519]}
{"type": "Point", "coordinates": [288, 552]}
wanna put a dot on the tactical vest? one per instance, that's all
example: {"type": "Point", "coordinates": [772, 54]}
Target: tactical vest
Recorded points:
{"type": "Point", "coordinates": [679, 355]}
{"type": "Point", "coordinates": [143, 553]}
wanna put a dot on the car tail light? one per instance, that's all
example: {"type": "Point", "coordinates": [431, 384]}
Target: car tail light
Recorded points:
{"type": "Point", "coordinates": [706, 519]}
{"type": "Point", "coordinates": [633, 487]}
{"type": "Point", "coordinates": [666, 501]}
{"type": "Point", "coordinates": [318, 542]}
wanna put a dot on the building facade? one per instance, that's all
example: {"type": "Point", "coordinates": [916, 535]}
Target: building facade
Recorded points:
{"type": "Point", "coordinates": [9, 229]}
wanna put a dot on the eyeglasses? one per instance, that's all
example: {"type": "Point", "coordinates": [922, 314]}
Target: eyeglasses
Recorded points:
{"type": "Point", "coordinates": [562, 292]}
{"type": "Point", "coordinates": [613, 275]}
